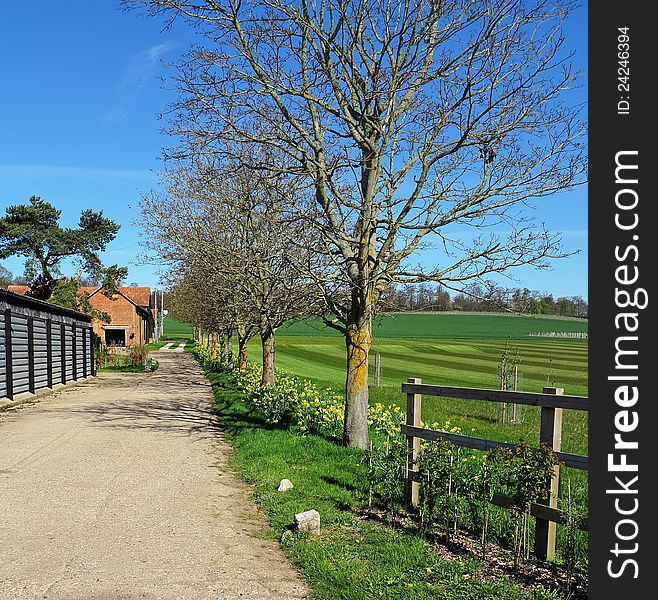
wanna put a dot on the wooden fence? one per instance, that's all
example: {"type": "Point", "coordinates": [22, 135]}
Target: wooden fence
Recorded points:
{"type": "Point", "coordinates": [552, 401]}
{"type": "Point", "coordinates": [41, 345]}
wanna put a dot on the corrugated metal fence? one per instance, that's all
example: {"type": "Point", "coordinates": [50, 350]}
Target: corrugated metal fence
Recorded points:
{"type": "Point", "coordinates": [41, 345]}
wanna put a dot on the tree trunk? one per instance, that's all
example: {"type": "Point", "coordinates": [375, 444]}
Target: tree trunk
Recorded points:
{"type": "Point", "coordinates": [242, 356]}
{"type": "Point", "coordinates": [222, 348]}
{"type": "Point", "coordinates": [229, 346]}
{"type": "Point", "coordinates": [357, 338]}
{"type": "Point", "coordinates": [267, 339]}
{"type": "Point", "coordinates": [243, 340]}
{"type": "Point", "coordinates": [213, 345]}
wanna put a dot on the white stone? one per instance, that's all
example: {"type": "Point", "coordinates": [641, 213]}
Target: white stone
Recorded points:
{"type": "Point", "coordinates": [285, 484]}
{"type": "Point", "coordinates": [308, 521]}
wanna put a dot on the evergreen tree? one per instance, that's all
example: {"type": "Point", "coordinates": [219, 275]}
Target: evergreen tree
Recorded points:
{"type": "Point", "coordinates": [33, 231]}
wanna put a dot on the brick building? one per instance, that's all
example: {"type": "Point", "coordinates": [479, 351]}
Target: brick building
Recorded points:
{"type": "Point", "coordinates": [132, 316]}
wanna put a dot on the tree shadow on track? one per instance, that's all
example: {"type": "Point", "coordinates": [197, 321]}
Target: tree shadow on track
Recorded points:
{"type": "Point", "coordinates": [175, 399]}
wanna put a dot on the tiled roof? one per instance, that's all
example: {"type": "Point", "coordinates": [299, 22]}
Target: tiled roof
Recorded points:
{"type": "Point", "coordinates": [18, 289]}
{"type": "Point", "coordinates": [139, 295]}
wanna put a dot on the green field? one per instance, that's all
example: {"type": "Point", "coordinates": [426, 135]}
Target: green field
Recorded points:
{"type": "Point", "coordinates": [442, 349]}
{"type": "Point", "coordinates": [466, 363]}
{"type": "Point", "coordinates": [447, 325]}
{"type": "Point", "coordinates": [174, 329]}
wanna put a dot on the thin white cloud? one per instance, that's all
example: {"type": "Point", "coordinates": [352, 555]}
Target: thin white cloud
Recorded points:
{"type": "Point", "coordinates": [141, 68]}
{"type": "Point", "coordinates": [138, 74]}
{"type": "Point", "coordinates": [72, 172]}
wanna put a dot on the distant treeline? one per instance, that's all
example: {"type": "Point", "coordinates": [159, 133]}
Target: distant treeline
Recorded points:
{"type": "Point", "coordinates": [429, 297]}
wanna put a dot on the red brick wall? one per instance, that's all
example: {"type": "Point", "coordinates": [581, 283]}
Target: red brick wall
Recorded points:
{"type": "Point", "coordinates": [123, 313]}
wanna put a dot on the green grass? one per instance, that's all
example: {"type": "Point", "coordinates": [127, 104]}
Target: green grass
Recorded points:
{"type": "Point", "coordinates": [460, 363]}
{"type": "Point", "coordinates": [352, 559]}
{"type": "Point", "coordinates": [440, 349]}
{"type": "Point", "coordinates": [189, 343]}
{"type": "Point", "coordinates": [156, 345]}
{"type": "Point", "coordinates": [129, 368]}
{"type": "Point", "coordinates": [447, 325]}
{"type": "Point", "coordinates": [121, 369]}
{"type": "Point", "coordinates": [451, 358]}
{"type": "Point", "coordinates": [174, 330]}
{"type": "Point", "coordinates": [467, 363]}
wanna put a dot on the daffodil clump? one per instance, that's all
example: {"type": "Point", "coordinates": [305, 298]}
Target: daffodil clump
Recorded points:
{"type": "Point", "coordinates": [306, 406]}
{"type": "Point", "coordinates": [319, 411]}
{"type": "Point", "coordinates": [446, 426]}
{"type": "Point", "coordinates": [385, 419]}
{"type": "Point", "coordinates": [205, 357]}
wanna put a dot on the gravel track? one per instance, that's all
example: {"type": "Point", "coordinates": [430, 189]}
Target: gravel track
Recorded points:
{"type": "Point", "coordinates": [118, 489]}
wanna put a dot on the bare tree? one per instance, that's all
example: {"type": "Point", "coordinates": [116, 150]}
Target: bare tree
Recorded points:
{"type": "Point", "coordinates": [203, 301]}
{"type": "Point", "coordinates": [6, 277]}
{"type": "Point", "coordinates": [233, 229]}
{"type": "Point", "coordinates": [414, 121]}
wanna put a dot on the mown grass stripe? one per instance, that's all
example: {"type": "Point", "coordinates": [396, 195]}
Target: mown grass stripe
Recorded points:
{"type": "Point", "coordinates": [565, 363]}
{"type": "Point", "coordinates": [450, 326]}
{"type": "Point", "coordinates": [400, 366]}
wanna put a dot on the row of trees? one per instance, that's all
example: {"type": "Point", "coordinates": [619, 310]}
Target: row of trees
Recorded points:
{"type": "Point", "coordinates": [240, 262]}
{"type": "Point", "coordinates": [321, 146]}
{"type": "Point", "coordinates": [426, 297]}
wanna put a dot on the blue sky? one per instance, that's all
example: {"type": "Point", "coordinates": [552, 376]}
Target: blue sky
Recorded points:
{"type": "Point", "coordinates": [83, 86]}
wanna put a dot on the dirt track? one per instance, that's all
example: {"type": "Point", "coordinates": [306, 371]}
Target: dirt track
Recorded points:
{"type": "Point", "coordinates": [118, 489]}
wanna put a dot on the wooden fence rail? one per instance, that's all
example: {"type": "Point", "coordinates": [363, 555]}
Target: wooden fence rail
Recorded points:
{"type": "Point", "coordinates": [552, 401]}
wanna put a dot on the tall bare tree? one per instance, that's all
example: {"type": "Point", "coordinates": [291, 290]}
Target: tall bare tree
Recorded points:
{"type": "Point", "coordinates": [234, 234]}
{"type": "Point", "coordinates": [413, 120]}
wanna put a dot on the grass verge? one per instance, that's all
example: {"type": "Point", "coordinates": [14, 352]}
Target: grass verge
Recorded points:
{"type": "Point", "coordinates": [151, 365]}
{"type": "Point", "coordinates": [353, 558]}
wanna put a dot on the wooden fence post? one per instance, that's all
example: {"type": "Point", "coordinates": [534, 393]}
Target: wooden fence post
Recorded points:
{"type": "Point", "coordinates": [378, 370]}
{"type": "Point", "coordinates": [414, 407]}
{"type": "Point", "coordinates": [551, 434]}
{"type": "Point", "coordinates": [9, 383]}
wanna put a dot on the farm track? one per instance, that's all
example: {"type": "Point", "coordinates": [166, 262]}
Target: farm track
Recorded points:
{"type": "Point", "coordinates": [119, 489]}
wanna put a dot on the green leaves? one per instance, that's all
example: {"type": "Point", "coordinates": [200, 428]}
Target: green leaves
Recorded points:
{"type": "Point", "coordinates": [32, 230]}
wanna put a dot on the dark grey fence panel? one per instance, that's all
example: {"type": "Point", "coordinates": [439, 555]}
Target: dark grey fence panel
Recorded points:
{"type": "Point", "coordinates": [79, 354]}
{"type": "Point", "coordinates": [40, 353]}
{"type": "Point", "coordinates": [88, 366]}
{"type": "Point", "coordinates": [41, 345]}
{"type": "Point", "coordinates": [20, 354]}
{"type": "Point", "coordinates": [56, 359]}
{"type": "Point", "coordinates": [68, 351]}
{"type": "Point", "coordinates": [3, 354]}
